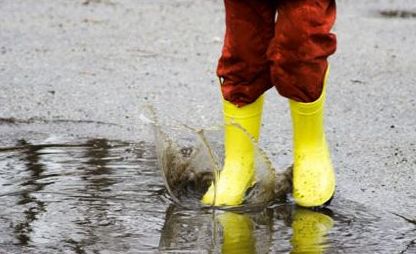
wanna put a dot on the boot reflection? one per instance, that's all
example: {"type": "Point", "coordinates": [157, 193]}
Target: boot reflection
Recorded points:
{"type": "Point", "coordinates": [200, 231]}
{"type": "Point", "coordinates": [309, 231]}
{"type": "Point", "coordinates": [237, 233]}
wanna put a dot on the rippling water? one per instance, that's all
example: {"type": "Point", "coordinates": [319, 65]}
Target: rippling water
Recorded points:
{"type": "Point", "coordinates": [94, 195]}
{"type": "Point", "coordinates": [87, 195]}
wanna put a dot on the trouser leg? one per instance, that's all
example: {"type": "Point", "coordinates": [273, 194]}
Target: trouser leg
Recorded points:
{"type": "Point", "coordinates": [300, 47]}
{"type": "Point", "coordinates": [243, 67]}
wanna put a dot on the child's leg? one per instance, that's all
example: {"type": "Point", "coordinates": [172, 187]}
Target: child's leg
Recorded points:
{"type": "Point", "coordinates": [243, 66]}
{"type": "Point", "coordinates": [299, 53]}
{"type": "Point", "coordinates": [245, 72]}
{"type": "Point", "coordinates": [300, 47]}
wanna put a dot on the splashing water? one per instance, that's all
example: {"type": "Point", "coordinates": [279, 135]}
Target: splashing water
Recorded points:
{"type": "Point", "coordinates": [191, 159]}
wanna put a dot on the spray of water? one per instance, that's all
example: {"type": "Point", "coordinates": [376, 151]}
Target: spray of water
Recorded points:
{"type": "Point", "coordinates": [191, 159]}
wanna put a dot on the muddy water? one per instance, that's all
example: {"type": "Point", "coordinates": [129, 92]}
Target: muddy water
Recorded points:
{"type": "Point", "coordinates": [62, 193]}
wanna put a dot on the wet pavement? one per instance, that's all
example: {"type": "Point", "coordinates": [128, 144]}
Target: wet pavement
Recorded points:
{"type": "Point", "coordinates": [63, 194]}
{"type": "Point", "coordinates": [78, 170]}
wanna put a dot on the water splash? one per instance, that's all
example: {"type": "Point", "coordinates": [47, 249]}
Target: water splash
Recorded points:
{"type": "Point", "coordinates": [191, 159]}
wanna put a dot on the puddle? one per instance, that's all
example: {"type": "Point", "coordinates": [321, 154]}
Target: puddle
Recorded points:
{"type": "Point", "coordinates": [67, 194]}
{"type": "Point", "coordinates": [347, 227]}
{"type": "Point", "coordinates": [79, 196]}
{"type": "Point", "coordinates": [404, 14]}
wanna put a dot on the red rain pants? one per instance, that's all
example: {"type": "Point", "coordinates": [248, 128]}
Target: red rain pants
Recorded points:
{"type": "Point", "coordinates": [289, 52]}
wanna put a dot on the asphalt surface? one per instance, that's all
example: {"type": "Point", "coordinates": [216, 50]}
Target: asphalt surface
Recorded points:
{"type": "Point", "coordinates": [103, 61]}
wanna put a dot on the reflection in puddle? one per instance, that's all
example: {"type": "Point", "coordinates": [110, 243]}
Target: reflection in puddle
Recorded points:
{"type": "Point", "coordinates": [348, 228]}
{"type": "Point", "coordinates": [309, 231]}
{"type": "Point", "coordinates": [33, 207]}
{"type": "Point", "coordinates": [61, 195]}
{"type": "Point", "coordinates": [219, 231]}
{"type": "Point", "coordinates": [82, 196]}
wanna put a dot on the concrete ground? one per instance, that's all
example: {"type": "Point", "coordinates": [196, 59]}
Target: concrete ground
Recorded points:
{"type": "Point", "coordinates": [103, 60]}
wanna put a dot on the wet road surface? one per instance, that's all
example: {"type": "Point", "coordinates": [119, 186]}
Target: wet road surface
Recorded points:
{"type": "Point", "coordinates": [76, 74]}
{"type": "Point", "coordinates": [95, 195]}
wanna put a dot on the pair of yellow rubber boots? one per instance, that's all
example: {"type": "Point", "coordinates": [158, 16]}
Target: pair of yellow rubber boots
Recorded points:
{"type": "Point", "coordinates": [313, 174]}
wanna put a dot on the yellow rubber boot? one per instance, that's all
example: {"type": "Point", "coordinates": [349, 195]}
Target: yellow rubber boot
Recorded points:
{"type": "Point", "coordinates": [309, 231]}
{"type": "Point", "coordinates": [237, 174]}
{"type": "Point", "coordinates": [238, 233]}
{"type": "Point", "coordinates": [313, 174]}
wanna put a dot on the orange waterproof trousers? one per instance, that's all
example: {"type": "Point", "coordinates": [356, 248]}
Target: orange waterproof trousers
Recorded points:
{"type": "Point", "coordinates": [281, 43]}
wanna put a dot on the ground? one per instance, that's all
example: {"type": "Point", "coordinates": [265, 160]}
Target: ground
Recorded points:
{"type": "Point", "coordinates": [104, 60]}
